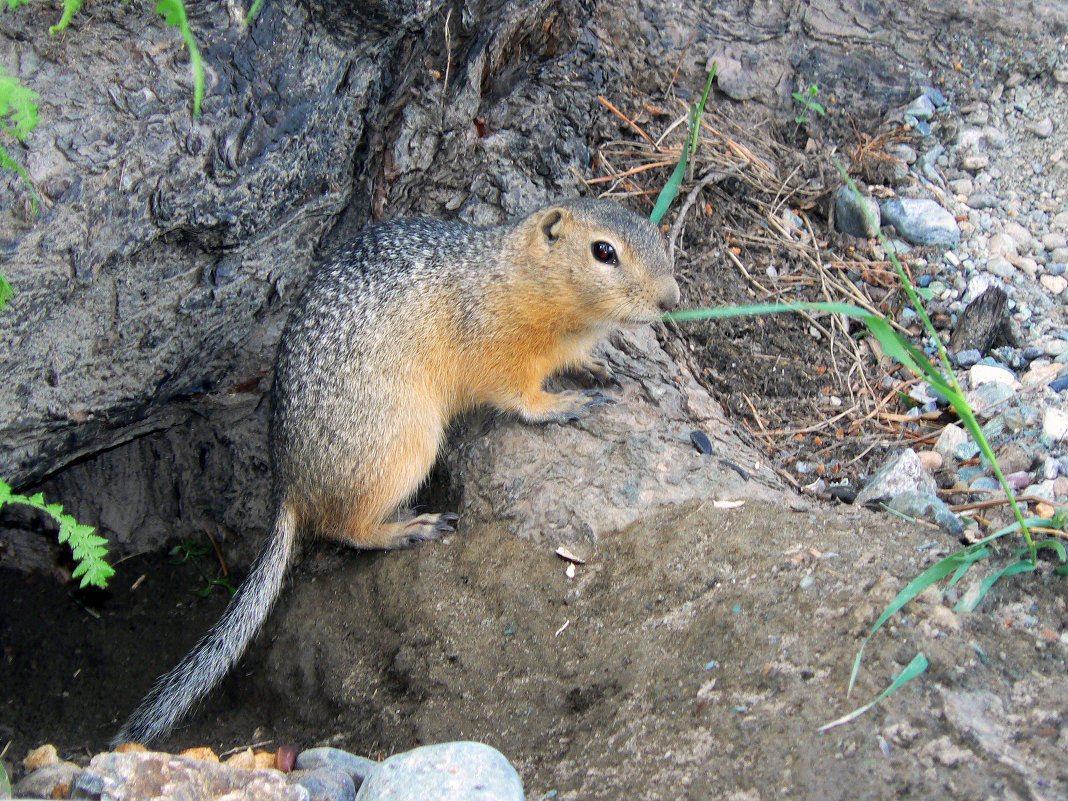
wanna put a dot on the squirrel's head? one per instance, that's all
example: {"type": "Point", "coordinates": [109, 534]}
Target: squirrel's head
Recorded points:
{"type": "Point", "coordinates": [616, 261]}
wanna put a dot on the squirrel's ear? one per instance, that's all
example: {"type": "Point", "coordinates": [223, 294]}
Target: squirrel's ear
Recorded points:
{"type": "Point", "coordinates": [551, 225]}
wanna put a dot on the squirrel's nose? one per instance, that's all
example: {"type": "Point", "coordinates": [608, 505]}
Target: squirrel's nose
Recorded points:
{"type": "Point", "coordinates": [669, 295]}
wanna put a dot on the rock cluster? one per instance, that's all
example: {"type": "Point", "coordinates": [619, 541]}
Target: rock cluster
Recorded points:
{"type": "Point", "coordinates": [459, 771]}
{"type": "Point", "coordinates": [979, 214]}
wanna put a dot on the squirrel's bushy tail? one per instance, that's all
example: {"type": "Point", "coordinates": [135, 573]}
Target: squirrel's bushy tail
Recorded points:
{"type": "Point", "coordinates": [202, 668]}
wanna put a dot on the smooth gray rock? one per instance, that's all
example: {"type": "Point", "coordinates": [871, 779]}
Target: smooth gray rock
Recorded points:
{"type": "Point", "coordinates": [325, 784]}
{"type": "Point", "coordinates": [447, 772]}
{"type": "Point", "coordinates": [925, 505]}
{"type": "Point", "coordinates": [850, 216]}
{"type": "Point", "coordinates": [358, 767]}
{"type": "Point", "coordinates": [921, 221]}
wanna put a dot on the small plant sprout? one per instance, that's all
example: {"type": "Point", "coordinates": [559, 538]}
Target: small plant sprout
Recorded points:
{"type": "Point", "coordinates": [809, 105]}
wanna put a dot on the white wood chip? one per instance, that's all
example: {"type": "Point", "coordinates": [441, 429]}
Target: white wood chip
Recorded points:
{"type": "Point", "coordinates": [564, 553]}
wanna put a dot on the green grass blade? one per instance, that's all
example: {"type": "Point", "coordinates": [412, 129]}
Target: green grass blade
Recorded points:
{"type": "Point", "coordinates": [956, 396]}
{"type": "Point", "coordinates": [1054, 545]}
{"type": "Point", "coordinates": [914, 668]}
{"type": "Point", "coordinates": [671, 188]}
{"type": "Point", "coordinates": [963, 558]}
{"type": "Point", "coordinates": [253, 12]}
{"type": "Point", "coordinates": [1011, 569]}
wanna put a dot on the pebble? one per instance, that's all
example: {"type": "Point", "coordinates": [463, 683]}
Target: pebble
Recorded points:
{"type": "Point", "coordinates": [1012, 458]}
{"type": "Point", "coordinates": [446, 772]}
{"type": "Point", "coordinates": [701, 441]}
{"type": "Point", "coordinates": [1055, 347]}
{"type": "Point", "coordinates": [1029, 266]}
{"type": "Point", "coordinates": [1002, 245]}
{"type": "Point", "coordinates": [986, 397]}
{"type": "Point", "coordinates": [936, 96]}
{"type": "Point", "coordinates": [983, 200]}
{"type": "Point", "coordinates": [985, 484]}
{"type": "Point", "coordinates": [1054, 283]}
{"type": "Point", "coordinates": [927, 505]}
{"type": "Point", "coordinates": [951, 438]}
{"type": "Point", "coordinates": [922, 108]}
{"type": "Point", "coordinates": [325, 784]}
{"type": "Point", "coordinates": [1055, 424]}
{"type": "Point", "coordinates": [52, 780]}
{"type": "Point", "coordinates": [1054, 240]}
{"type": "Point", "coordinates": [849, 215]}
{"type": "Point", "coordinates": [961, 186]}
{"type": "Point", "coordinates": [356, 767]}
{"type": "Point", "coordinates": [1017, 480]}
{"type": "Point", "coordinates": [973, 162]}
{"type": "Point", "coordinates": [932, 461]}
{"type": "Point", "coordinates": [921, 221]}
{"type": "Point", "coordinates": [1002, 268]}
{"type": "Point", "coordinates": [902, 473]}
{"type": "Point", "coordinates": [1043, 129]}
{"type": "Point", "coordinates": [134, 774]}
{"type": "Point", "coordinates": [979, 374]}
{"type": "Point", "coordinates": [41, 757]}
{"type": "Point", "coordinates": [1018, 233]}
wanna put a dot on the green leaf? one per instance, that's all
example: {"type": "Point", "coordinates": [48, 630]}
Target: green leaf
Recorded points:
{"type": "Point", "coordinates": [87, 547]}
{"type": "Point", "coordinates": [671, 188]}
{"type": "Point", "coordinates": [5, 782]}
{"type": "Point", "coordinates": [914, 668]}
{"type": "Point", "coordinates": [1011, 569]}
{"type": "Point", "coordinates": [1054, 545]}
{"type": "Point", "coordinates": [928, 577]}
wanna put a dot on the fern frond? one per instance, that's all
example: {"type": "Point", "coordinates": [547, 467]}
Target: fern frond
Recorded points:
{"type": "Point", "coordinates": [88, 547]}
{"type": "Point", "coordinates": [173, 13]}
{"type": "Point", "coordinates": [70, 8]}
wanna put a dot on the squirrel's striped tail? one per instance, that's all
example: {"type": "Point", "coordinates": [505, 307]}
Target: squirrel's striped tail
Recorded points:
{"type": "Point", "coordinates": [176, 692]}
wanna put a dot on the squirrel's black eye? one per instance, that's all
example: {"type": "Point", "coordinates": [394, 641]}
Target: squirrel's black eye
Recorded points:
{"type": "Point", "coordinates": [604, 252]}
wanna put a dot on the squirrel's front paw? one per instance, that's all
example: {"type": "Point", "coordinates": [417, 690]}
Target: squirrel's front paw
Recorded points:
{"type": "Point", "coordinates": [574, 404]}
{"type": "Point", "coordinates": [599, 372]}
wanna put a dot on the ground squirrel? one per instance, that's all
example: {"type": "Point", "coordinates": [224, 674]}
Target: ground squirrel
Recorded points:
{"type": "Point", "coordinates": [412, 322]}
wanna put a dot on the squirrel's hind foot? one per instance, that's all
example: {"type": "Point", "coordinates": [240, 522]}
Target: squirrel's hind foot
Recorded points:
{"type": "Point", "coordinates": [409, 533]}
